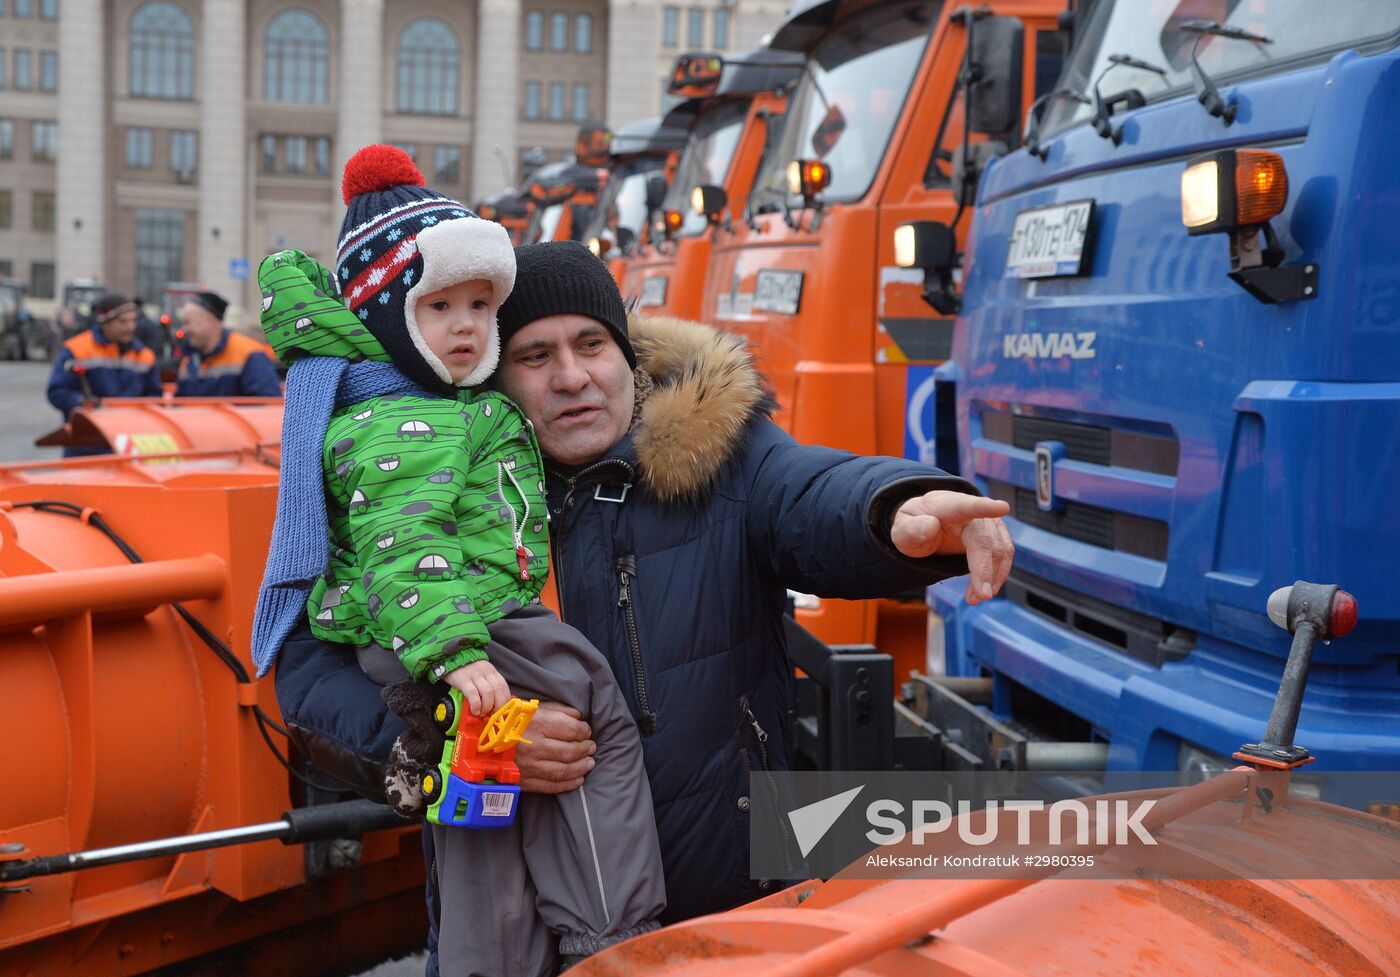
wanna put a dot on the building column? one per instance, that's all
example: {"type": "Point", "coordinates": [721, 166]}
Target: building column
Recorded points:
{"type": "Point", "coordinates": [496, 95]}
{"type": "Point", "coordinates": [81, 226]}
{"type": "Point", "coordinates": [225, 204]}
{"type": "Point", "coordinates": [364, 79]}
{"type": "Point", "coordinates": [634, 44]}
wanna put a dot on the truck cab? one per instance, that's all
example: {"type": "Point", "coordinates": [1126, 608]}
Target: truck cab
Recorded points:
{"type": "Point", "coordinates": [509, 209]}
{"type": "Point", "coordinates": [561, 197]}
{"type": "Point", "coordinates": [809, 278]}
{"type": "Point", "coordinates": [741, 101]}
{"type": "Point", "coordinates": [1177, 363]}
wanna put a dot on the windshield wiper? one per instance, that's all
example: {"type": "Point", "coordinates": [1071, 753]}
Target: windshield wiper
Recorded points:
{"type": "Point", "coordinates": [1206, 92]}
{"type": "Point", "coordinates": [1035, 118]}
{"type": "Point", "coordinates": [1129, 99]}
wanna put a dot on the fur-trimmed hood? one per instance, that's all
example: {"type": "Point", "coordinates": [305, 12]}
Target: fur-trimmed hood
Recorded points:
{"type": "Point", "coordinates": [706, 392]}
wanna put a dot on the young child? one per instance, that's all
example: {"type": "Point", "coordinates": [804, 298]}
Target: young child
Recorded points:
{"type": "Point", "coordinates": [411, 525]}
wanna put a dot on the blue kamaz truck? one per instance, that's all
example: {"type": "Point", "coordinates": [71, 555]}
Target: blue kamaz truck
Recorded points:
{"type": "Point", "coordinates": [1178, 359]}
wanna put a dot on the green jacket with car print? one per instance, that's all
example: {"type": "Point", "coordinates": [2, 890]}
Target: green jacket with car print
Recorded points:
{"type": "Point", "coordinates": [435, 505]}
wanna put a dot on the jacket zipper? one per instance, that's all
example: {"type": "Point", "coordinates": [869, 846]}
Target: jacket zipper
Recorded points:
{"type": "Point", "coordinates": [626, 571]}
{"type": "Point", "coordinates": [564, 506]}
{"type": "Point", "coordinates": [761, 739]}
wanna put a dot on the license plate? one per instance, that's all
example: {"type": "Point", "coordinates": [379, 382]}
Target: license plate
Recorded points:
{"type": "Point", "coordinates": [654, 291]}
{"type": "Point", "coordinates": [777, 290]}
{"type": "Point", "coordinates": [1049, 241]}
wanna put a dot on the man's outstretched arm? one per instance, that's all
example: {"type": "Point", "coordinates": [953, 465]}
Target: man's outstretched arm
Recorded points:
{"type": "Point", "coordinates": [841, 525]}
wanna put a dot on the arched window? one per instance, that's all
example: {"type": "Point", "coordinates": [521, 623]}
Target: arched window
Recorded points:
{"type": "Point", "coordinates": [429, 66]}
{"type": "Point", "coordinates": [162, 51]}
{"type": "Point", "coordinates": [295, 60]}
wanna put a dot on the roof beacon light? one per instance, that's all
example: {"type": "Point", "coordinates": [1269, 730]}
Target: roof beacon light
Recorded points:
{"type": "Point", "coordinates": [671, 222]}
{"type": "Point", "coordinates": [696, 75]}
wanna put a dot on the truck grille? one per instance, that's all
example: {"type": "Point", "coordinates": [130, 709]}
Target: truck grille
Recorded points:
{"type": "Point", "coordinates": [1092, 443]}
{"type": "Point", "coordinates": [1147, 639]}
{"type": "Point", "coordinates": [1086, 523]}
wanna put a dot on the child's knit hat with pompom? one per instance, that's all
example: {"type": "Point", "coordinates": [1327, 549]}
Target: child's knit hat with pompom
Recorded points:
{"type": "Point", "coordinates": [402, 240]}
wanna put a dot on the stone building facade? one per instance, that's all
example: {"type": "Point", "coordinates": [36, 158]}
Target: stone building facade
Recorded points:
{"type": "Point", "coordinates": [152, 141]}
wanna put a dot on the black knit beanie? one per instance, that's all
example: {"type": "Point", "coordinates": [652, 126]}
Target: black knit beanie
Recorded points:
{"type": "Point", "coordinates": [564, 278]}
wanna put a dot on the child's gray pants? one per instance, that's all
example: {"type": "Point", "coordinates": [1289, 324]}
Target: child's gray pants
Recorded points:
{"type": "Point", "coordinates": [576, 872]}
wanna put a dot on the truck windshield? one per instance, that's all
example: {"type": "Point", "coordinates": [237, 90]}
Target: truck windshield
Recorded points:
{"type": "Point", "coordinates": [706, 159]}
{"type": "Point", "coordinates": [848, 100]}
{"type": "Point", "coordinates": [1299, 30]}
{"type": "Point", "coordinates": [549, 220]}
{"type": "Point", "coordinates": [623, 204]}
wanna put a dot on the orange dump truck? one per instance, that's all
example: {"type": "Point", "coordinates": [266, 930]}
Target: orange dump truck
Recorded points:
{"type": "Point", "coordinates": [739, 103]}
{"type": "Point", "coordinates": [809, 277]}
{"type": "Point", "coordinates": [643, 158]}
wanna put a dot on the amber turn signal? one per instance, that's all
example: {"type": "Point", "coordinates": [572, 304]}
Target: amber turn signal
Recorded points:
{"type": "Point", "coordinates": [1232, 189]}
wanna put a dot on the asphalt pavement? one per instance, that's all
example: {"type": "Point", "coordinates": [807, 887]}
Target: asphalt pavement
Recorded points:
{"type": "Point", "coordinates": [27, 414]}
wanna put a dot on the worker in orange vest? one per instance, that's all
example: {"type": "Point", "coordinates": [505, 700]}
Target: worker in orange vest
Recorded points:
{"type": "Point", "coordinates": [217, 361]}
{"type": "Point", "coordinates": [104, 361]}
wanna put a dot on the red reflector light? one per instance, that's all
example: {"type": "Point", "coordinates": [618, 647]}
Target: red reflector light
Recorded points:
{"type": "Point", "coordinates": [1343, 616]}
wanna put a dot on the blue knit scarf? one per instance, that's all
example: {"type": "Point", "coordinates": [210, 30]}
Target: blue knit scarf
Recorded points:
{"type": "Point", "coordinates": [300, 551]}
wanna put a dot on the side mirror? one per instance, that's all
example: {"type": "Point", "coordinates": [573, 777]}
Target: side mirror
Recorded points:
{"type": "Point", "coordinates": [626, 237]}
{"type": "Point", "coordinates": [828, 131]}
{"type": "Point", "coordinates": [967, 169]}
{"type": "Point", "coordinates": [656, 189]}
{"type": "Point", "coordinates": [994, 102]}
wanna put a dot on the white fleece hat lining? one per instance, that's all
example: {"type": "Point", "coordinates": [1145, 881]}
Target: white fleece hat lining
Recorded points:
{"type": "Point", "coordinates": [456, 251]}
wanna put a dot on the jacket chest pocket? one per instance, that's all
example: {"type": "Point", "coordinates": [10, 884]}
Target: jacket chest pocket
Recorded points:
{"type": "Point", "coordinates": [626, 567]}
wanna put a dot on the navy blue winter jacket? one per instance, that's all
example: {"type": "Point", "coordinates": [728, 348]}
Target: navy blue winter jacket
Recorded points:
{"type": "Point", "coordinates": [91, 366]}
{"type": "Point", "coordinates": [237, 367]}
{"type": "Point", "coordinates": [673, 555]}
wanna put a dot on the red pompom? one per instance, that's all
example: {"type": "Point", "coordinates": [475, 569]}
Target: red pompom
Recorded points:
{"type": "Point", "coordinates": [378, 168]}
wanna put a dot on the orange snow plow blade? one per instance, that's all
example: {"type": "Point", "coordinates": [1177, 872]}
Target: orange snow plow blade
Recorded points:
{"type": "Point", "coordinates": [125, 722]}
{"type": "Point", "coordinates": [149, 426]}
{"type": "Point", "coordinates": [1049, 923]}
